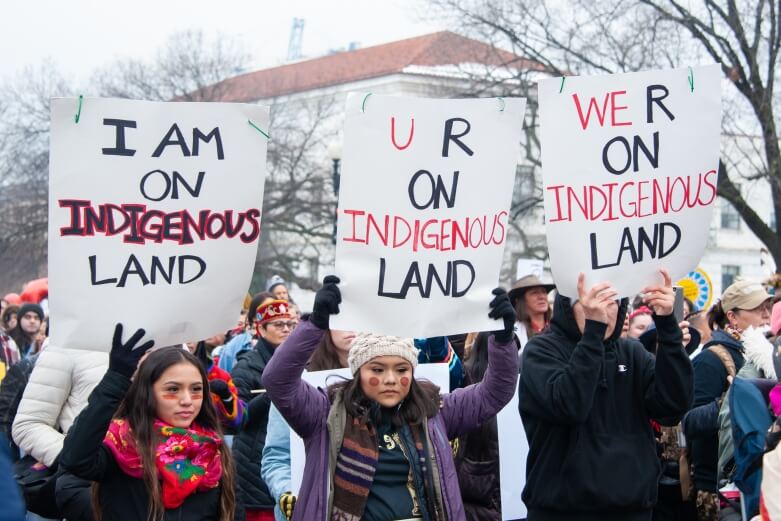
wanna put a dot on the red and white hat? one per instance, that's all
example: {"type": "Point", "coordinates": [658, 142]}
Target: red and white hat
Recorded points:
{"type": "Point", "coordinates": [272, 310]}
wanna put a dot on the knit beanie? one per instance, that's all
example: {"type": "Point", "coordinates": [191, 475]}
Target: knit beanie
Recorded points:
{"type": "Point", "coordinates": [26, 308]}
{"type": "Point", "coordinates": [366, 346]}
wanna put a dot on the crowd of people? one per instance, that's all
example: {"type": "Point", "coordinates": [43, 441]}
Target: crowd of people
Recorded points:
{"type": "Point", "coordinates": [632, 410]}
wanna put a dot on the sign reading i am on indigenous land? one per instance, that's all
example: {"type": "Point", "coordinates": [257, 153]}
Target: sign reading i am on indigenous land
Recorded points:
{"type": "Point", "coordinates": [423, 212]}
{"type": "Point", "coordinates": [630, 168]}
{"type": "Point", "coordinates": [154, 217]}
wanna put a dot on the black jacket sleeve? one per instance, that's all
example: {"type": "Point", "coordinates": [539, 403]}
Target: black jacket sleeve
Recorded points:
{"type": "Point", "coordinates": [83, 452]}
{"type": "Point", "coordinates": [668, 378]}
{"type": "Point", "coordinates": [247, 375]}
{"type": "Point", "coordinates": [710, 378]}
{"type": "Point", "coordinates": [558, 390]}
{"type": "Point", "coordinates": [701, 421]}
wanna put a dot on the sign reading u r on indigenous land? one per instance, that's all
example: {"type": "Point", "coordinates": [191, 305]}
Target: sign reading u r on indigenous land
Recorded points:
{"type": "Point", "coordinates": [154, 217]}
{"type": "Point", "coordinates": [630, 168]}
{"type": "Point", "coordinates": [423, 211]}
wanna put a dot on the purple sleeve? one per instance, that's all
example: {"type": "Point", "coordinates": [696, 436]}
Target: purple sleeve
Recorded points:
{"type": "Point", "coordinates": [467, 408]}
{"type": "Point", "coordinates": [304, 407]}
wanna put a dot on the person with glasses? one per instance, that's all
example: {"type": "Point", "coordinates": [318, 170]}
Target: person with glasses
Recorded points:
{"type": "Point", "coordinates": [274, 320]}
{"type": "Point", "coordinates": [744, 305]}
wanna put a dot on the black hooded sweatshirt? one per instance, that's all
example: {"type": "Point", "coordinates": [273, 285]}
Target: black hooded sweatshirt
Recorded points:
{"type": "Point", "coordinates": [586, 405]}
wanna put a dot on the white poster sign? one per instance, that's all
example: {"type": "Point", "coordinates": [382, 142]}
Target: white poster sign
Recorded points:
{"type": "Point", "coordinates": [154, 217]}
{"type": "Point", "coordinates": [423, 212]}
{"type": "Point", "coordinates": [513, 450]}
{"type": "Point", "coordinates": [526, 266]}
{"type": "Point", "coordinates": [630, 167]}
{"type": "Point", "coordinates": [438, 374]}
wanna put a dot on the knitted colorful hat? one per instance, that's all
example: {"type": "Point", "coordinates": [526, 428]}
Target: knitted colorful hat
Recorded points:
{"type": "Point", "coordinates": [272, 310]}
{"type": "Point", "coordinates": [366, 346]}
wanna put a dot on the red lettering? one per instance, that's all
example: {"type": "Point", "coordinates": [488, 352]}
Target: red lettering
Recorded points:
{"type": "Point", "coordinates": [614, 108]}
{"type": "Point", "coordinates": [584, 120]}
{"type": "Point", "coordinates": [393, 134]}
{"type": "Point", "coordinates": [353, 238]}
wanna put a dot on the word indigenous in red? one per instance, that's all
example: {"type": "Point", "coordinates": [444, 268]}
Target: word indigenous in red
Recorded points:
{"type": "Point", "coordinates": [632, 199]}
{"type": "Point", "coordinates": [140, 224]}
{"type": "Point", "coordinates": [395, 231]}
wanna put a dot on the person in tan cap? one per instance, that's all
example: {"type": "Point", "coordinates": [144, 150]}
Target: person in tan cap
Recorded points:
{"type": "Point", "coordinates": [529, 297]}
{"type": "Point", "coordinates": [744, 304]}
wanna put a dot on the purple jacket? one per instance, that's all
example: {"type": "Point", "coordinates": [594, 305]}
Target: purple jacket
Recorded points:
{"type": "Point", "coordinates": [309, 412]}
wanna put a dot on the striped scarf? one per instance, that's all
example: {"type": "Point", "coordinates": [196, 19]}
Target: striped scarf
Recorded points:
{"type": "Point", "coordinates": [356, 464]}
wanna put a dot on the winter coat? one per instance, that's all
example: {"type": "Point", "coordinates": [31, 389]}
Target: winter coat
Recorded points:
{"type": "Point", "coordinates": [321, 424]}
{"type": "Point", "coordinates": [13, 504]}
{"type": "Point", "coordinates": [11, 391]}
{"type": "Point", "coordinates": [230, 351]}
{"type": "Point", "coordinates": [758, 353]}
{"type": "Point", "coordinates": [122, 497]}
{"type": "Point", "coordinates": [275, 467]}
{"type": "Point", "coordinates": [710, 382]}
{"type": "Point", "coordinates": [477, 464]}
{"type": "Point", "coordinates": [248, 444]}
{"type": "Point", "coordinates": [587, 403]}
{"type": "Point", "coordinates": [57, 391]}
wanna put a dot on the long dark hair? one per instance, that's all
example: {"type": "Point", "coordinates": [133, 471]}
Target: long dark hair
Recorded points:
{"type": "Point", "coordinates": [139, 408]}
{"type": "Point", "coordinates": [717, 317]}
{"type": "Point", "coordinates": [522, 314]}
{"type": "Point", "coordinates": [421, 402]}
{"type": "Point", "coordinates": [326, 356]}
{"type": "Point", "coordinates": [477, 363]}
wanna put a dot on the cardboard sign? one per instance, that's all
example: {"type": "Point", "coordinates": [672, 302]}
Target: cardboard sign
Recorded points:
{"type": "Point", "coordinates": [698, 288]}
{"type": "Point", "coordinates": [423, 212]}
{"type": "Point", "coordinates": [154, 217]}
{"type": "Point", "coordinates": [436, 373]}
{"type": "Point", "coordinates": [513, 450]}
{"type": "Point", "coordinates": [630, 169]}
{"type": "Point", "coordinates": [526, 266]}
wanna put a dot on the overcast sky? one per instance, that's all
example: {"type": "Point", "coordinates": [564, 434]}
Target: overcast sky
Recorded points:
{"type": "Point", "coordinates": [81, 35]}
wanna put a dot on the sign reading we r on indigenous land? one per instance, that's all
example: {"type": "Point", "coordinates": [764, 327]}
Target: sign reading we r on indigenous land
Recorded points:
{"type": "Point", "coordinates": [423, 212]}
{"type": "Point", "coordinates": [630, 168]}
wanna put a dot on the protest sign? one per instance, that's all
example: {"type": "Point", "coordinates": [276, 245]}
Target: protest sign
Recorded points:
{"type": "Point", "coordinates": [513, 450]}
{"type": "Point", "coordinates": [630, 167]}
{"type": "Point", "coordinates": [154, 217]}
{"type": "Point", "coordinates": [425, 192]}
{"type": "Point", "coordinates": [438, 374]}
{"type": "Point", "coordinates": [698, 288]}
{"type": "Point", "coordinates": [526, 267]}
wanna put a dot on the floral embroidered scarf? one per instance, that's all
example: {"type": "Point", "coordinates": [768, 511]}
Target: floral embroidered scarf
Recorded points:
{"type": "Point", "coordinates": [188, 460]}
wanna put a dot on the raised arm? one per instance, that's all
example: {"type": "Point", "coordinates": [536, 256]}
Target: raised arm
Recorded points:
{"type": "Point", "coordinates": [466, 409]}
{"type": "Point", "coordinates": [669, 379]}
{"type": "Point", "coordinates": [303, 407]}
{"type": "Point", "coordinates": [83, 452]}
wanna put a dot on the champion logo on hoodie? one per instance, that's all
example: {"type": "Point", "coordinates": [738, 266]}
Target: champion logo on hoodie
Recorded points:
{"type": "Point", "coordinates": [622, 368]}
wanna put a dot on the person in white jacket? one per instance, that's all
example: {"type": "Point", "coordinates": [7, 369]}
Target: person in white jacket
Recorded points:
{"type": "Point", "coordinates": [57, 391]}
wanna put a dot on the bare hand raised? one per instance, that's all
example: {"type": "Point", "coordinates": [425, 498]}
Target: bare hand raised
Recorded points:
{"type": "Point", "coordinates": [597, 300]}
{"type": "Point", "coordinates": [661, 299]}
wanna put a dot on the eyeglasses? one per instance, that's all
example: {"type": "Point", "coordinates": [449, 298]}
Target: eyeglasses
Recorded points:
{"type": "Point", "coordinates": [282, 325]}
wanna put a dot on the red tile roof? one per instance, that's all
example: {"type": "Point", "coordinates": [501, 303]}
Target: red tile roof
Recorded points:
{"type": "Point", "coordinates": [436, 49]}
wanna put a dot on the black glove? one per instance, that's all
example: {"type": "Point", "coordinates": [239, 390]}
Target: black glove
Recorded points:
{"type": "Point", "coordinates": [123, 358]}
{"type": "Point", "coordinates": [501, 308]}
{"type": "Point", "coordinates": [287, 503]}
{"type": "Point", "coordinates": [327, 302]}
{"type": "Point", "coordinates": [220, 388]}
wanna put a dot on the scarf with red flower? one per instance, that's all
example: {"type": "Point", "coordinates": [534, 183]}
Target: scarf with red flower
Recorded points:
{"type": "Point", "coordinates": [188, 460]}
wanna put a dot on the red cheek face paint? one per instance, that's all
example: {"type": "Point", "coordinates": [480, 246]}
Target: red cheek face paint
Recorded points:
{"type": "Point", "coordinates": [171, 397]}
{"type": "Point", "coordinates": [404, 381]}
{"type": "Point", "coordinates": [374, 381]}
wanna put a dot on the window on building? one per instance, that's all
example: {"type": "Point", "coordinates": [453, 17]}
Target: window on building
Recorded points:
{"type": "Point", "coordinates": [728, 274]}
{"type": "Point", "coordinates": [730, 218]}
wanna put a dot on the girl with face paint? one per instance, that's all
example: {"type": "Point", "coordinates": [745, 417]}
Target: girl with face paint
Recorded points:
{"type": "Point", "coordinates": [377, 445]}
